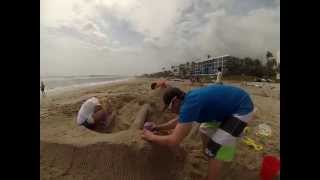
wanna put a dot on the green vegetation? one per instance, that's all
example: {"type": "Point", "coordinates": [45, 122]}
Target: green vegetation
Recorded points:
{"type": "Point", "coordinates": [236, 69]}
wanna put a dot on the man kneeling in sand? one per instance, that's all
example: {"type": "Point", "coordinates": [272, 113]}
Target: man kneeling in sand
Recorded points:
{"type": "Point", "coordinates": [92, 114]}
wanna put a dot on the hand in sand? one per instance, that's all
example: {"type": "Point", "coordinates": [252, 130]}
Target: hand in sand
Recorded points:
{"type": "Point", "coordinates": [147, 135]}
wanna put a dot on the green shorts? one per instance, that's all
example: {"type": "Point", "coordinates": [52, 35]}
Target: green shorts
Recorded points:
{"type": "Point", "coordinates": [226, 152]}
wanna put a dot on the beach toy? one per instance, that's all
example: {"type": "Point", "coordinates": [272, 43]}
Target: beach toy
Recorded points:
{"type": "Point", "coordinates": [270, 168]}
{"type": "Point", "coordinates": [250, 142]}
{"type": "Point", "coordinates": [148, 126]}
{"type": "Point", "coordinates": [264, 130]}
{"type": "Point", "coordinates": [246, 130]}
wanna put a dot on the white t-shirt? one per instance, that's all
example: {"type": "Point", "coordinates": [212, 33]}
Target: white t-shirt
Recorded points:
{"type": "Point", "coordinates": [219, 77]}
{"type": "Point", "coordinates": [87, 110]}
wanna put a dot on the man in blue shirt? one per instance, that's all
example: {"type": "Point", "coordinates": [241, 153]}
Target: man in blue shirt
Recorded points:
{"type": "Point", "coordinates": [223, 112]}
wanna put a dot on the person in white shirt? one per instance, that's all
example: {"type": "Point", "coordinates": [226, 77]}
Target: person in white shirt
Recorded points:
{"type": "Point", "coordinates": [92, 114]}
{"type": "Point", "coordinates": [219, 76]}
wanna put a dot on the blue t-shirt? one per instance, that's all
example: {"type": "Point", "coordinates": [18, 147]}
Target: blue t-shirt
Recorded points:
{"type": "Point", "coordinates": [214, 103]}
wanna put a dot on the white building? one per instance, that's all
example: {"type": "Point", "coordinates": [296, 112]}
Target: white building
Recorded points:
{"type": "Point", "coordinates": [207, 66]}
{"type": "Point", "coordinates": [210, 65]}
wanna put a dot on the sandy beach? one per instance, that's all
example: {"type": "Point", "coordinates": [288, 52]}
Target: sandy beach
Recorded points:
{"type": "Point", "coordinates": [68, 151]}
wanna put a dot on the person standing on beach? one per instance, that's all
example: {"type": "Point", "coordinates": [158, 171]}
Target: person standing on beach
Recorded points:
{"type": "Point", "coordinates": [223, 112]}
{"type": "Point", "coordinates": [92, 114]}
{"type": "Point", "coordinates": [219, 77]}
{"type": "Point", "coordinates": [42, 86]}
{"type": "Point", "coordinates": [192, 80]}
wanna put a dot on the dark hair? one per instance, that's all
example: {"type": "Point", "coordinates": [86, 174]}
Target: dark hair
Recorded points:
{"type": "Point", "coordinates": [171, 93]}
{"type": "Point", "coordinates": [219, 68]}
{"type": "Point", "coordinates": [153, 85]}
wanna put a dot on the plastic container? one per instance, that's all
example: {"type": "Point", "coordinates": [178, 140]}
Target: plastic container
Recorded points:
{"type": "Point", "coordinates": [148, 126]}
{"type": "Point", "coordinates": [270, 168]}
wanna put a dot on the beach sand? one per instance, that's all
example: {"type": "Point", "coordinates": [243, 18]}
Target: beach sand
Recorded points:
{"type": "Point", "coordinates": [68, 151]}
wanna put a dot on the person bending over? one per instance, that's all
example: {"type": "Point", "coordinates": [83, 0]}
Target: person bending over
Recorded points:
{"type": "Point", "coordinates": [223, 112]}
{"type": "Point", "coordinates": [92, 114]}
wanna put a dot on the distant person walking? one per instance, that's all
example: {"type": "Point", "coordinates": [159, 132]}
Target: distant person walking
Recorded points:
{"type": "Point", "coordinates": [219, 77]}
{"type": "Point", "coordinates": [42, 86]}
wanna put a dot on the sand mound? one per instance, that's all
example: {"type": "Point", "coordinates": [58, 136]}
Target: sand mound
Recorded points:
{"type": "Point", "coordinates": [108, 159]}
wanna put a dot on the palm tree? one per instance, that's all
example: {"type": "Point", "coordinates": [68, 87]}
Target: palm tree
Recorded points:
{"type": "Point", "coordinates": [269, 55]}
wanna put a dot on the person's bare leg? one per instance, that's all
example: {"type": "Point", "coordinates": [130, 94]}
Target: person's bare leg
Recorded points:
{"type": "Point", "coordinates": [214, 169]}
{"type": "Point", "coordinates": [141, 117]}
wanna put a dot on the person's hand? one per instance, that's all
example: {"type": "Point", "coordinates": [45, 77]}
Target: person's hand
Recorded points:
{"type": "Point", "coordinates": [147, 135]}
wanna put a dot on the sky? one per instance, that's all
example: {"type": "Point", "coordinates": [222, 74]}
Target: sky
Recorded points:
{"type": "Point", "coordinates": [131, 37]}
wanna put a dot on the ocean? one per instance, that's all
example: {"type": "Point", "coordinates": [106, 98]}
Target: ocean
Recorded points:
{"type": "Point", "coordinates": [62, 82]}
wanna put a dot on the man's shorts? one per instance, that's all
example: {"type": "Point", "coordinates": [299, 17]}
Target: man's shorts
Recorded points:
{"type": "Point", "coordinates": [226, 152]}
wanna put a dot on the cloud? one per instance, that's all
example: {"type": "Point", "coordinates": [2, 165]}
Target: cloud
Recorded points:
{"type": "Point", "coordinates": [88, 32]}
{"type": "Point", "coordinates": [216, 31]}
{"type": "Point", "coordinates": [157, 33]}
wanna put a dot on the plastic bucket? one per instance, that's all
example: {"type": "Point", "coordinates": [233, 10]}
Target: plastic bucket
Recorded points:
{"type": "Point", "coordinates": [270, 168]}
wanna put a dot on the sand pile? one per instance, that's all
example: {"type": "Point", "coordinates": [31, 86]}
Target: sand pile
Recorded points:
{"type": "Point", "coordinates": [71, 152]}
{"type": "Point", "coordinates": [105, 159]}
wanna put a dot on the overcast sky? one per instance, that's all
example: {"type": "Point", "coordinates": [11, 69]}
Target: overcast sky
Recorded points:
{"type": "Point", "coordinates": [127, 37]}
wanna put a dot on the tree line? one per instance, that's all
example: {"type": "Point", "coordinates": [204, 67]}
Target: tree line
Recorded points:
{"type": "Point", "coordinates": [253, 67]}
{"type": "Point", "coordinates": [238, 66]}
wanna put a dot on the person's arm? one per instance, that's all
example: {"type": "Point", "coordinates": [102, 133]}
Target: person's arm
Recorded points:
{"type": "Point", "coordinates": [110, 117]}
{"type": "Point", "coordinates": [109, 107]}
{"type": "Point", "coordinates": [168, 125]}
{"type": "Point", "coordinates": [179, 133]}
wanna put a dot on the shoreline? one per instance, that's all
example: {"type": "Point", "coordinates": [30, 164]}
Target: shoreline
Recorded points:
{"type": "Point", "coordinates": [65, 89]}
